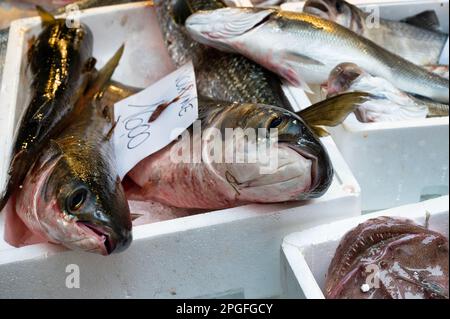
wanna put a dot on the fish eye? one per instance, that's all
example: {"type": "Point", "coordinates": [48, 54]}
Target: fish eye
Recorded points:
{"type": "Point", "coordinates": [339, 6]}
{"type": "Point", "coordinates": [275, 123]}
{"type": "Point", "coordinates": [76, 200]}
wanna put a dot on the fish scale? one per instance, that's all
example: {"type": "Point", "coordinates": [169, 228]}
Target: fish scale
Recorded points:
{"type": "Point", "coordinates": [221, 76]}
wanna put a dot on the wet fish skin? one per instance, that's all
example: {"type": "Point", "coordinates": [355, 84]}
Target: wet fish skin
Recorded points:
{"type": "Point", "coordinates": [220, 76]}
{"type": "Point", "coordinates": [60, 61]}
{"type": "Point", "coordinates": [82, 204]}
{"type": "Point", "coordinates": [304, 169]}
{"type": "Point", "coordinates": [304, 48]}
{"type": "Point", "coordinates": [418, 45]}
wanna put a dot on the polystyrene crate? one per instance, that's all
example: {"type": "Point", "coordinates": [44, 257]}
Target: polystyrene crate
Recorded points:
{"type": "Point", "coordinates": [233, 252]}
{"type": "Point", "coordinates": [308, 254]}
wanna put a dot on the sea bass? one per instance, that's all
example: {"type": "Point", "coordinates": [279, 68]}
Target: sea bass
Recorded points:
{"type": "Point", "coordinates": [220, 76]}
{"type": "Point", "coordinates": [388, 102]}
{"type": "Point", "coordinates": [304, 48]}
{"type": "Point", "coordinates": [297, 166]}
{"type": "Point", "coordinates": [60, 61]}
{"type": "Point", "coordinates": [73, 195]}
{"type": "Point", "coordinates": [419, 45]}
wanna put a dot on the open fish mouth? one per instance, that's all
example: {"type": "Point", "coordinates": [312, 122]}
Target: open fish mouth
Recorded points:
{"type": "Point", "coordinates": [315, 176]}
{"type": "Point", "coordinates": [225, 24]}
{"type": "Point", "coordinates": [108, 245]}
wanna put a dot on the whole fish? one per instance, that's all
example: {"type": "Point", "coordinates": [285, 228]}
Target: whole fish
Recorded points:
{"type": "Point", "coordinates": [420, 45]}
{"type": "Point", "coordinates": [304, 48]}
{"type": "Point", "coordinates": [73, 194]}
{"type": "Point", "coordinates": [302, 169]}
{"type": "Point", "coordinates": [388, 102]}
{"type": "Point", "coordinates": [409, 262]}
{"type": "Point", "coordinates": [220, 76]}
{"type": "Point", "coordinates": [60, 61]}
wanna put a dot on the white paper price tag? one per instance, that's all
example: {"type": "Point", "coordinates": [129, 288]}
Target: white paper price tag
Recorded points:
{"type": "Point", "coordinates": [152, 119]}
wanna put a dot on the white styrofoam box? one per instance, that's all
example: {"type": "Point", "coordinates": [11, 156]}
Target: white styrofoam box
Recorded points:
{"type": "Point", "coordinates": [398, 163]}
{"type": "Point", "coordinates": [234, 252]}
{"type": "Point", "coordinates": [308, 254]}
{"type": "Point", "coordinates": [401, 162]}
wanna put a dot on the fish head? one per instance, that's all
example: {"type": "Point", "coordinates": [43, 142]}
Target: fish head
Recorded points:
{"type": "Point", "coordinates": [219, 28]}
{"type": "Point", "coordinates": [275, 155]}
{"type": "Point", "coordinates": [67, 205]}
{"type": "Point", "coordinates": [338, 11]}
{"type": "Point", "coordinates": [342, 77]}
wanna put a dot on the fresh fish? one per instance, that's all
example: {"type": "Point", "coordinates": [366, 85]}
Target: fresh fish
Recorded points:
{"type": "Point", "coordinates": [407, 259]}
{"type": "Point", "coordinates": [300, 166]}
{"type": "Point", "coordinates": [420, 45]}
{"type": "Point", "coordinates": [73, 194]}
{"type": "Point", "coordinates": [304, 48]}
{"type": "Point", "coordinates": [220, 76]}
{"type": "Point", "coordinates": [388, 102]}
{"type": "Point", "coordinates": [60, 61]}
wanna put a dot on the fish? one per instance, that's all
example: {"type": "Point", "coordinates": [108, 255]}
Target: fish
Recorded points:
{"type": "Point", "coordinates": [60, 61]}
{"type": "Point", "coordinates": [298, 165]}
{"type": "Point", "coordinates": [220, 76]}
{"type": "Point", "coordinates": [304, 48]}
{"type": "Point", "coordinates": [421, 43]}
{"type": "Point", "coordinates": [388, 104]}
{"type": "Point", "coordinates": [407, 259]}
{"type": "Point", "coordinates": [73, 194]}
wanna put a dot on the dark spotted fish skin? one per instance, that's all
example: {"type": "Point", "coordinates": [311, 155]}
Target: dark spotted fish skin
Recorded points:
{"type": "Point", "coordinates": [220, 76]}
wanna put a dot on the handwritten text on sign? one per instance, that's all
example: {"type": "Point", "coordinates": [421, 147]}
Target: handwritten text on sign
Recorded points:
{"type": "Point", "coordinates": [152, 119]}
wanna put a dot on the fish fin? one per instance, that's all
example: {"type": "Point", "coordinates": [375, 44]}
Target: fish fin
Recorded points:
{"type": "Point", "coordinates": [46, 16]}
{"type": "Point", "coordinates": [103, 77]}
{"type": "Point", "coordinates": [300, 59]}
{"type": "Point", "coordinates": [43, 111]}
{"type": "Point", "coordinates": [320, 131]}
{"type": "Point", "coordinates": [333, 111]}
{"type": "Point", "coordinates": [426, 20]}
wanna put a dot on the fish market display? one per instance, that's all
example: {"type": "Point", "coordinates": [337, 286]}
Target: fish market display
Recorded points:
{"type": "Point", "coordinates": [300, 167]}
{"type": "Point", "coordinates": [304, 48]}
{"type": "Point", "coordinates": [409, 261]}
{"type": "Point", "coordinates": [220, 76]}
{"type": "Point", "coordinates": [60, 61]}
{"type": "Point", "coordinates": [415, 39]}
{"type": "Point", "coordinates": [388, 102]}
{"type": "Point", "coordinates": [73, 195]}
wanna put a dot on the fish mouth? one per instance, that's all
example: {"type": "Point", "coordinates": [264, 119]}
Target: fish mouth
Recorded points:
{"type": "Point", "coordinates": [315, 176]}
{"type": "Point", "coordinates": [102, 234]}
{"type": "Point", "coordinates": [210, 27]}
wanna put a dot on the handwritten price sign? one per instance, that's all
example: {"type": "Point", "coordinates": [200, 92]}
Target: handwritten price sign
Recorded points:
{"type": "Point", "coordinates": [150, 120]}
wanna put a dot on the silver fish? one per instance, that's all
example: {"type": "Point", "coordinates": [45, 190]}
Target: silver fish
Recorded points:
{"type": "Point", "coordinates": [304, 48]}
{"type": "Point", "coordinates": [387, 103]}
{"type": "Point", "coordinates": [416, 44]}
